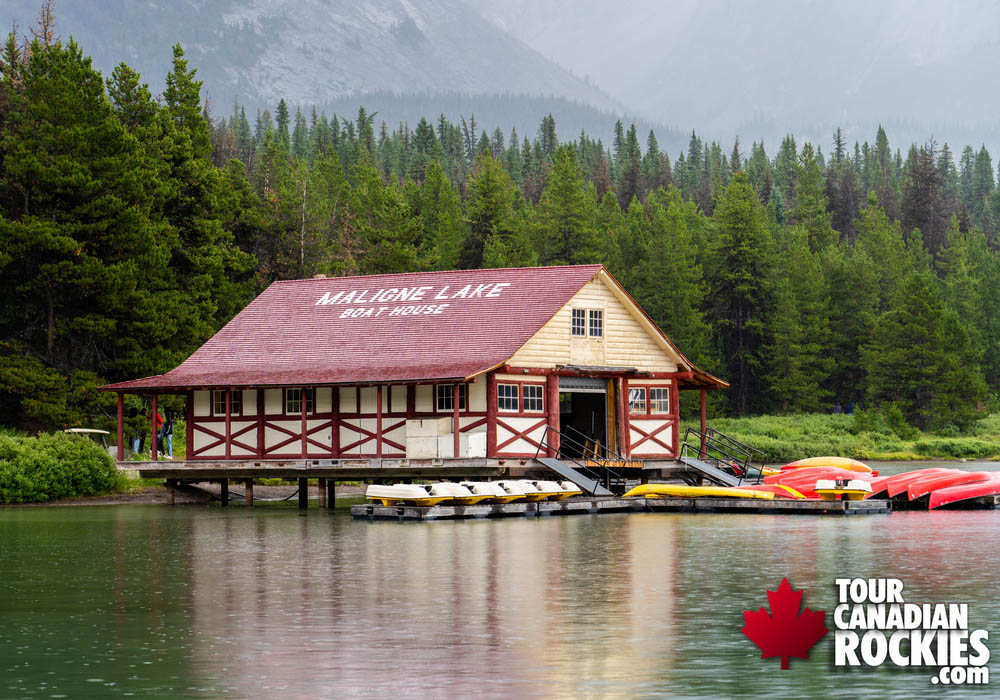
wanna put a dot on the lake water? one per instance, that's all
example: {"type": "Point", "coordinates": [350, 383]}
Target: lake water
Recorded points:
{"type": "Point", "coordinates": [197, 601]}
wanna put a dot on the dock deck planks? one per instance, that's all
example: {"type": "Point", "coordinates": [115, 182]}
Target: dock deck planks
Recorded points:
{"type": "Point", "coordinates": [619, 505]}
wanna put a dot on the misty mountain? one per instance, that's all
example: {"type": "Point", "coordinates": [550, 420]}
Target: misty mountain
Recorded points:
{"type": "Point", "coordinates": [313, 51]}
{"type": "Point", "coordinates": [766, 68]}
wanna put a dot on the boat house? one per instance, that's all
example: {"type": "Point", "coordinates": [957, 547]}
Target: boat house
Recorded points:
{"type": "Point", "coordinates": [483, 367]}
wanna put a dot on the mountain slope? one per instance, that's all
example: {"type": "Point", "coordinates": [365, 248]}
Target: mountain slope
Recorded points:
{"type": "Point", "coordinates": [313, 51]}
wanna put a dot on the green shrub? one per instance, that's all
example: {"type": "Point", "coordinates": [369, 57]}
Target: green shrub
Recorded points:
{"type": "Point", "coordinates": [36, 469]}
{"type": "Point", "coordinates": [896, 421]}
{"type": "Point", "coordinates": [955, 447]}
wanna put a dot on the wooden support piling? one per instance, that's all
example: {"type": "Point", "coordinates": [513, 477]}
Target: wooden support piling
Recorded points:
{"type": "Point", "coordinates": [331, 496]}
{"type": "Point", "coordinates": [248, 489]}
{"type": "Point", "coordinates": [121, 427]}
{"type": "Point", "coordinates": [224, 492]}
{"type": "Point", "coordinates": [321, 492]}
{"type": "Point", "coordinates": [303, 492]}
{"type": "Point", "coordinates": [153, 440]}
{"type": "Point", "coordinates": [456, 425]}
{"type": "Point", "coordinates": [170, 492]}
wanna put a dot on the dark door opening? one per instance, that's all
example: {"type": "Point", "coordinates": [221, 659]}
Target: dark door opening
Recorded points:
{"type": "Point", "coordinates": [583, 419]}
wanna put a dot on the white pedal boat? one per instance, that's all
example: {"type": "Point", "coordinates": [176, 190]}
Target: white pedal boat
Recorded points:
{"type": "Point", "coordinates": [456, 493]}
{"type": "Point", "coordinates": [494, 492]}
{"type": "Point", "coordinates": [570, 489]}
{"type": "Point", "coordinates": [553, 490]}
{"type": "Point", "coordinates": [403, 494]}
{"type": "Point", "coordinates": [527, 489]}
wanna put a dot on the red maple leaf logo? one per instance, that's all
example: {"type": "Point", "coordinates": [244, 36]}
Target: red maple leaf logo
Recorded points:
{"type": "Point", "coordinates": [785, 633]}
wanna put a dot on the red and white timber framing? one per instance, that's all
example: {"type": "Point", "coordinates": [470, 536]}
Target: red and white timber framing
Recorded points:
{"type": "Point", "coordinates": [339, 422]}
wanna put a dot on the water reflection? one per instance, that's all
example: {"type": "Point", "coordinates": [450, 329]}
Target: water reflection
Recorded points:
{"type": "Point", "coordinates": [197, 602]}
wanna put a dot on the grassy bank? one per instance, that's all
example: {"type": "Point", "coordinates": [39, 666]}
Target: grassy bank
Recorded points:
{"type": "Point", "coordinates": [861, 436]}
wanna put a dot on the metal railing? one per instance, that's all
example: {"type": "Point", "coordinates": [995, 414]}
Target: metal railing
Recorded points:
{"type": "Point", "coordinates": [611, 478]}
{"type": "Point", "coordinates": [724, 453]}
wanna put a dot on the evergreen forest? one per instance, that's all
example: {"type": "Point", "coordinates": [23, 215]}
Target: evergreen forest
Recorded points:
{"type": "Point", "coordinates": [133, 226]}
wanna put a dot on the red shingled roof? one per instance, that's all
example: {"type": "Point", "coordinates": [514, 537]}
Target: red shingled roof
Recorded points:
{"type": "Point", "coordinates": [380, 328]}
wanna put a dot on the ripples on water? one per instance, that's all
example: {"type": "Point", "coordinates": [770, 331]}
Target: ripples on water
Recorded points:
{"type": "Point", "coordinates": [155, 601]}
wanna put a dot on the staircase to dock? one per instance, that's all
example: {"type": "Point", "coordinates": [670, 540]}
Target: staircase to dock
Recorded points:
{"type": "Point", "coordinates": [718, 458]}
{"type": "Point", "coordinates": [599, 471]}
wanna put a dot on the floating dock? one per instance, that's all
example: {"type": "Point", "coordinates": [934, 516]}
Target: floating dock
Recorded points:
{"type": "Point", "coordinates": [595, 504]}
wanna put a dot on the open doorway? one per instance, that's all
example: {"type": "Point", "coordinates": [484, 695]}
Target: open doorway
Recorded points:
{"type": "Point", "coordinates": [583, 419]}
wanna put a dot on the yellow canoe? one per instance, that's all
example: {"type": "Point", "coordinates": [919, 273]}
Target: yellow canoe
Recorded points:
{"type": "Point", "coordinates": [685, 491]}
{"type": "Point", "coordinates": [847, 463]}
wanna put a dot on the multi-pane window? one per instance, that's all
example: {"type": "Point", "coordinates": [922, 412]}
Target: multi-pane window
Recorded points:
{"type": "Point", "coordinates": [507, 397]}
{"type": "Point", "coordinates": [533, 397]}
{"type": "Point", "coordinates": [446, 397]}
{"type": "Point", "coordinates": [293, 401]}
{"type": "Point", "coordinates": [579, 325]}
{"type": "Point", "coordinates": [659, 400]}
{"type": "Point", "coordinates": [219, 402]}
{"type": "Point", "coordinates": [637, 400]}
{"type": "Point", "coordinates": [596, 323]}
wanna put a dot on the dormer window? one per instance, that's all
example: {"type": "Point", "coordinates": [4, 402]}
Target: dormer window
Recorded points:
{"type": "Point", "coordinates": [596, 323]}
{"type": "Point", "coordinates": [587, 322]}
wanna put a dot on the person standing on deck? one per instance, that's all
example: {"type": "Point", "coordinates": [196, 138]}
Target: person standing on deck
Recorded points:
{"type": "Point", "coordinates": [168, 435]}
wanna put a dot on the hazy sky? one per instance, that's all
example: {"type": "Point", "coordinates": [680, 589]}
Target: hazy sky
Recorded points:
{"type": "Point", "coordinates": [779, 65]}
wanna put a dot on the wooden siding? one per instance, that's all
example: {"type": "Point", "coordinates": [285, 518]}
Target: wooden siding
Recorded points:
{"type": "Point", "coordinates": [346, 422]}
{"type": "Point", "coordinates": [627, 340]}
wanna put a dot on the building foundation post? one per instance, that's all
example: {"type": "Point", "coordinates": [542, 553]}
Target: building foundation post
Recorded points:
{"type": "Point", "coordinates": [303, 492]}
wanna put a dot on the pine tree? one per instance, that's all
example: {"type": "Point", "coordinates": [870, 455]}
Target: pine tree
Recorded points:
{"type": "Point", "coordinates": [386, 232]}
{"type": "Point", "coordinates": [920, 358]}
{"type": "Point", "coordinates": [922, 207]}
{"type": "Point", "coordinates": [811, 202]}
{"type": "Point", "coordinates": [443, 229]}
{"type": "Point", "coordinates": [668, 281]}
{"type": "Point", "coordinates": [563, 235]}
{"type": "Point", "coordinates": [800, 363]}
{"type": "Point", "coordinates": [494, 239]}
{"type": "Point", "coordinates": [741, 294]}
{"type": "Point", "coordinates": [300, 136]}
{"type": "Point", "coordinates": [88, 251]}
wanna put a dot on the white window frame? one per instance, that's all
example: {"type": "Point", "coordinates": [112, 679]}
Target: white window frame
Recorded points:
{"type": "Point", "coordinates": [504, 398]}
{"type": "Point", "coordinates": [657, 404]}
{"type": "Point", "coordinates": [540, 398]}
{"type": "Point", "coordinates": [578, 323]}
{"type": "Point", "coordinates": [219, 402]}
{"type": "Point", "coordinates": [444, 397]}
{"type": "Point", "coordinates": [637, 400]}
{"type": "Point", "coordinates": [310, 401]}
{"type": "Point", "coordinates": [595, 323]}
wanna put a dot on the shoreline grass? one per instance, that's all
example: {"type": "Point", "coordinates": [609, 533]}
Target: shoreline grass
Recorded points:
{"type": "Point", "coordinates": [784, 439]}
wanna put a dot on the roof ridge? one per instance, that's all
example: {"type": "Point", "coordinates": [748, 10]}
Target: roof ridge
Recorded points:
{"type": "Point", "coordinates": [440, 272]}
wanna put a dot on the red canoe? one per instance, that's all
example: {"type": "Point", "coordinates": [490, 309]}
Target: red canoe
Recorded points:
{"type": "Point", "coordinates": [901, 482]}
{"type": "Point", "coordinates": [954, 494]}
{"type": "Point", "coordinates": [882, 483]}
{"type": "Point", "coordinates": [811, 474]}
{"type": "Point", "coordinates": [918, 489]}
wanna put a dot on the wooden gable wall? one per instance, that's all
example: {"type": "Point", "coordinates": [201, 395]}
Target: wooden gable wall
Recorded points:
{"type": "Point", "coordinates": [628, 339]}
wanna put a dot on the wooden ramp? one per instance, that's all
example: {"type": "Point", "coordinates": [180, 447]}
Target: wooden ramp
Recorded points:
{"type": "Point", "coordinates": [566, 471]}
{"type": "Point", "coordinates": [707, 471]}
